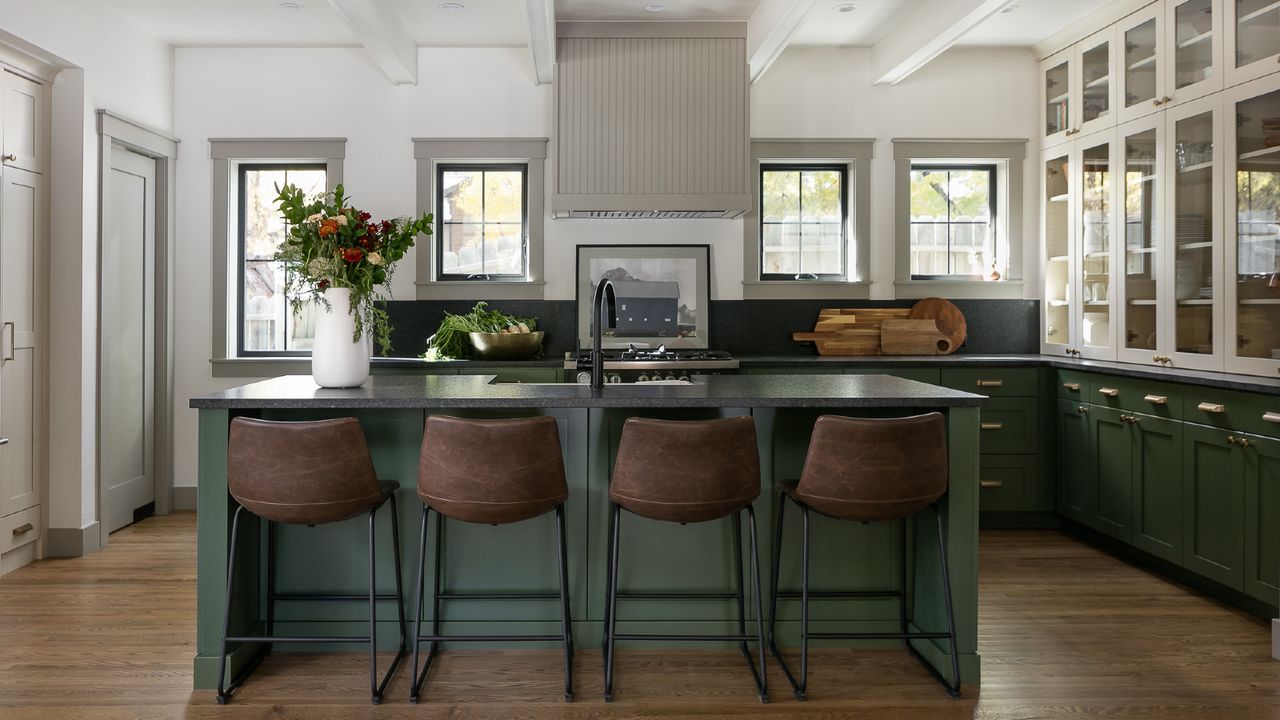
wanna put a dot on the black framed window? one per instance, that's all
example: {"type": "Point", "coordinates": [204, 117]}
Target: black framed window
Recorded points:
{"type": "Point", "coordinates": [803, 222]}
{"type": "Point", "coordinates": [265, 324]}
{"type": "Point", "coordinates": [482, 221]}
{"type": "Point", "coordinates": [953, 220]}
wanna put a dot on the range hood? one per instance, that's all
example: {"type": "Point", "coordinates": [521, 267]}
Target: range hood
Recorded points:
{"type": "Point", "coordinates": [651, 121]}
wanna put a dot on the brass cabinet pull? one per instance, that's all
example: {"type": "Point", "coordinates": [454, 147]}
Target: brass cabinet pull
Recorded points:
{"type": "Point", "coordinates": [991, 426]}
{"type": "Point", "coordinates": [1244, 442]}
{"type": "Point", "coordinates": [4, 441]}
{"type": "Point", "coordinates": [1211, 407]}
{"type": "Point", "coordinates": [990, 383]}
{"type": "Point", "coordinates": [1271, 417]}
{"type": "Point", "coordinates": [1109, 392]}
{"type": "Point", "coordinates": [1231, 439]}
{"type": "Point", "coordinates": [990, 483]}
{"type": "Point", "coordinates": [1156, 399]}
{"type": "Point", "coordinates": [1082, 409]}
{"type": "Point", "coordinates": [23, 528]}
{"type": "Point", "coordinates": [1075, 387]}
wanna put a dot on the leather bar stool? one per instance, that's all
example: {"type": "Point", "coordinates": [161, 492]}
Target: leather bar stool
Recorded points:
{"type": "Point", "coordinates": [307, 473]}
{"type": "Point", "coordinates": [686, 471]}
{"type": "Point", "coordinates": [490, 472]}
{"type": "Point", "coordinates": [869, 470]}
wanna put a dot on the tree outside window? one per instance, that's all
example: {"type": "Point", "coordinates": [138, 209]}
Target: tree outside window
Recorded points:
{"type": "Point", "coordinates": [953, 221]}
{"type": "Point", "coordinates": [803, 222]}
{"type": "Point", "coordinates": [483, 221]}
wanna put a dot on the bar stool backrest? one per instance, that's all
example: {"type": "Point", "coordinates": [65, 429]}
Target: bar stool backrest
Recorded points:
{"type": "Point", "coordinates": [305, 473]}
{"type": "Point", "coordinates": [491, 471]}
{"type": "Point", "coordinates": [874, 469]}
{"type": "Point", "coordinates": [686, 470]}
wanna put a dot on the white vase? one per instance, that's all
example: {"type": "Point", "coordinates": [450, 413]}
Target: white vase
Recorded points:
{"type": "Point", "coordinates": [336, 360]}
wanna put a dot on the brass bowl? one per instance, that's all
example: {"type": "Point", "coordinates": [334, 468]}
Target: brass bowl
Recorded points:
{"type": "Point", "coordinates": [507, 346]}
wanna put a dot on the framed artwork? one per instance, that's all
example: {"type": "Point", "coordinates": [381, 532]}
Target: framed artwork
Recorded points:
{"type": "Point", "coordinates": [663, 294]}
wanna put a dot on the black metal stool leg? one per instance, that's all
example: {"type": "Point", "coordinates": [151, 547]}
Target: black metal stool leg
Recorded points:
{"type": "Point", "coordinates": [611, 605]}
{"type": "Point", "coordinates": [414, 682]}
{"type": "Point", "coordinates": [902, 579]}
{"type": "Point", "coordinates": [375, 696]}
{"type": "Point", "coordinates": [762, 677]}
{"type": "Point", "coordinates": [741, 587]}
{"type": "Point", "coordinates": [395, 541]}
{"type": "Point", "coordinates": [803, 684]}
{"type": "Point", "coordinates": [223, 693]}
{"type": "Point", "coordinates": [954, 688]}
{"type": "Point", "coordinates": [271, 582]}
{"type": "Point", "coordinates": [566, 622]}
{"type": "Point", "coordinates": [608, 585]}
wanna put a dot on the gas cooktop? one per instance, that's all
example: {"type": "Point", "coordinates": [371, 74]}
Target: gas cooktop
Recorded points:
{"type": "Point", "coordinates": [659, 358]}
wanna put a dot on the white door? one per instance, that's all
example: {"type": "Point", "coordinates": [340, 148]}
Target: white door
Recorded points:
{"type": "Point", "coordinates": [21, 213]}
{"type": "Point", "coordinates": [126, 346]}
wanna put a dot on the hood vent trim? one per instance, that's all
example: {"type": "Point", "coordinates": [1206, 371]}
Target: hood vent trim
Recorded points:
{"type": "Point", "coordinates": [647, 214]}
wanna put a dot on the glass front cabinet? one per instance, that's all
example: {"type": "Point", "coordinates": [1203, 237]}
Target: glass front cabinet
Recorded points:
{"type": "Point", "coordinates": [1252, 47]}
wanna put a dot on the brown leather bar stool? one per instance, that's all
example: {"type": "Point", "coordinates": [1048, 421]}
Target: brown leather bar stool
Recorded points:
{"type": "Point", "coordinates": [869, 470]}
{"type": "Point", "coordinates": [490, 472]}
{"type": "Point", "coordinates": [686, 471]}
{"type": "Point", "coordinates": [307, 473]}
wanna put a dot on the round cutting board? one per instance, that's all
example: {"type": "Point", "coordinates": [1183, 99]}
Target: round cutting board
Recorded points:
{"type": "Point", "coordinates": [948, 317]}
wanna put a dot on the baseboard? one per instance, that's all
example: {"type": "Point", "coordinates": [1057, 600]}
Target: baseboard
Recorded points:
{"type": "Point", "coordinates": [73, 542]}
{"type": "Point", "coordinates": [184, 497]}
{"type": "Point", "coordinates": [1275, 639]}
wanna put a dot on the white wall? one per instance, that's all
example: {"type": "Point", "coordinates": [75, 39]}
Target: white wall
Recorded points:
{"type": "Point", "coordinates": [111, 64]}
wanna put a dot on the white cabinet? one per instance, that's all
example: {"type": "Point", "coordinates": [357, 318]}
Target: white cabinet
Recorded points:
{"type": "Point", "coordinates": [1252, 47]}
{"type": "Point", "coordinates": [1138, 279]}
{"type": "Point", "coordinates": [1057, 233]}
{"type": "Point", "coordinates": [1079, 88]}
{"type": "Point", "coordinates": [1058, 110]}
{"type": "Point", "coordinates": [23, 132]}
{"type": "Point", "coordinates": [1142, 67]}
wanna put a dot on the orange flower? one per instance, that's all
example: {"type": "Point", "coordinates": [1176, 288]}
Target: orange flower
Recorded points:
{"type": "Point", "coordinates": [328, 227]}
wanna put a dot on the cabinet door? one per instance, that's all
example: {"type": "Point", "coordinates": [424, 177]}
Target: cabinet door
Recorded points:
{"type": "Point", "coordinates": [1262, 519]}
{"type": "Point", "coordinates": [1077, 497]}
{"type": "Point", "coordinates": [1113, 473]}
{"type": "Point", "coordinates": [1057, 77]}
{"type": "Point", "coordinates": [1142, 67]}
{"type": "Point", "coordinates": [1253, 241]}
{"type": "Point", "coordinates": [1057, 219]}
{"type": "Point", "coordinates": [1096, 229]}
{"type": "Point", "coordinates": [1193, 224]}
{"type": "Point", "coordinates": [22, 142]}
{"type": "Point", "coordinates": [1157, 487]}
{"type": "Point", "coordinates": [1096, 57]}
{"type": "Point", "coordinates": [21, 227]}
{"type": "Point", "coordinates": [1213, 504]}
{"type": "Point", "coordinates": [1252, 39]}
{"type": "Point", "coordinates": [1193, 46]}
{"type": "Point", "coordinates": [1137, 277]}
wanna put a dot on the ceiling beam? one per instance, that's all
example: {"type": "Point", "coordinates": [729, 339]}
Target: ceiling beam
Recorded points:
{"type": "Point", "coordinates": [542, 38]}
{"type": "Point", "coordinates": [380, 29]}
{"type": "Point", "coordinates": [930, 29]}
{"type": "Point", "coordinates": [770, 29]}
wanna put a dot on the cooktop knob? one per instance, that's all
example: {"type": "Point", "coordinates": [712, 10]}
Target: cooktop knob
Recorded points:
{"type": "Point", "coordinates": [584, 378]}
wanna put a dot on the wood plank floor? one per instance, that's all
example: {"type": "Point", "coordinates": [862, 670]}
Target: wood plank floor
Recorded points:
{"type": "Point", "coordinates": [1065, 632]}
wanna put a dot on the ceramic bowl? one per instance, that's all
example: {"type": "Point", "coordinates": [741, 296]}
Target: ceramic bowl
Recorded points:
{"type": "Point", "coordinates": [507, 346]}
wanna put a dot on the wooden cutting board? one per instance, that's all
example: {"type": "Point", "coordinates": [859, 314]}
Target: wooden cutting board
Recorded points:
{"type": "Point", "coordinates": [950, 320]}
{"type": "Point", "coordinates": [913, 337]}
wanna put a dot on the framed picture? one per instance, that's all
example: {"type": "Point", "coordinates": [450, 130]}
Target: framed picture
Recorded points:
{"type": "Point", "coordinates": [663, 294]}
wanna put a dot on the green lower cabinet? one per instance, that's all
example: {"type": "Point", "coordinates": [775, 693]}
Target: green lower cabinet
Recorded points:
{"type": "Point", "coordinates": [1213, 504]}
{"type": "Point", "coordinates": [1008, 482]}
{"type": "Point", "coordinates": [1113, 472]}
{"type": "Point", "coordinates": [1077, 493]}
{"type": "Point", "coordinates": [1262, 522]}
{"type": "Point", "coordinates": [1157, 487]}
{"type": "Point", "coordinates": [1009, 426]}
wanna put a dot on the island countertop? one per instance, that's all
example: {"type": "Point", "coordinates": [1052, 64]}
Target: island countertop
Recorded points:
{"type": "Point", "coordinates": [480, 391]}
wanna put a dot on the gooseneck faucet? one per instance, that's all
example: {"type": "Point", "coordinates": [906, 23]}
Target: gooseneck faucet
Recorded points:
{"type": "Point", "coordinates": [604, 305]}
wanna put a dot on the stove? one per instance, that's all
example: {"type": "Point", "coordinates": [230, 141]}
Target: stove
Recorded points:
{"type": "Point", "coordinates": [648, 364]}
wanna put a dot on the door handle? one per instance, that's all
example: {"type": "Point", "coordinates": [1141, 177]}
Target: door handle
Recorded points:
{"type": "Point", "coordinates": [1271, 417]}
{"type": "Point", "coordinates": [4, 441]}
{"type": "Point", "coordinates": [1211, 407]}
{"type": "Point", "coordinates": [23, 528]}
{"type": "Point", "coordinates": [1109, 392]}
{"type": "Point", "coordinates": [1075, 387]}
{"type": "Point", "coordinates": [13, 342]}
{"type": "Point", "coordinates": [1157, 399]}
{"type": "Point", "coordinates": [11, 158]}
{"type": "Point", "coordinates": [1082, 409]}
{"type": "Point", "coordinates": [990, 383]}
{"type": "Point", "coordinates": [991, 426]}
{"type": "Point", "coordinates": [990, 483]}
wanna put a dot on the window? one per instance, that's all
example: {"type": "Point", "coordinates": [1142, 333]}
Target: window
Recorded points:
{"type": "Point", "coordinates": [953, 220]}
{"type": "Point", "coordinates": [803, 222]}
{"type": "Point", "coordinates": [267, 325]}
{"type": "Point", "coordinates": [482, 221]}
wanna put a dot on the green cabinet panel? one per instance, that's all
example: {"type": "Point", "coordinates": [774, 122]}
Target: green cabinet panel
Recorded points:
{"type": "Point", "coordinates": [1157, 487]}
{"type": "Point", "coordinates": [1151, 397]}
{"type": "Point", "coordinates": [1262, 520]}
{"type": "Point", "coordinates": [919, 374]}
{"type": "Point", "coordinates": [518, 375]}
{"type": "Point", "coordinates": [1113, 454]}
{"type": "Point", "coordinates": [1009, 426]}
{"type": "Point", "coordinates": [1231, 410]}
{"type": "Point", "coordinates": [1072, 385]}
{"type": "Point", "coordinates": [1007, 482]}
{"type": "Point", "coordinates": [1213, 505]}
{"type": "Point", "coordinates": [993, 382]}
{"type": "Point", "coordinates": [1077, 494]}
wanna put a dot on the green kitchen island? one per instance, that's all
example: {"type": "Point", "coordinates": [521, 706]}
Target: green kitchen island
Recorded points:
{"type": "Point", "coordinates": [655, 556]}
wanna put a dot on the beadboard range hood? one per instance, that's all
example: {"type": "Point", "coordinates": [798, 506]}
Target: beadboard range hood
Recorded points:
{"type": "Point", "coordinates": [651, 121]}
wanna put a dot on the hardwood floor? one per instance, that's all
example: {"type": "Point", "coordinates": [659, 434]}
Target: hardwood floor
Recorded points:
{"type": "Point", "coordinates": [1065, 632]}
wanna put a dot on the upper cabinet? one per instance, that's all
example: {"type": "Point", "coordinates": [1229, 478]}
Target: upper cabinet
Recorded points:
{"type": "Point", "coordinates": [1252, 39]}
{"type": "Point", "coordinates": [22, 133]}
{"type": "Point", "coordinates": [1141, 63]}
{"type": "Point", "coordinates": [1058, 118]}
{"type": "Point", "coordinates": [1193, 37]}
{"type": "Point", "coordinates": [1096, 56]}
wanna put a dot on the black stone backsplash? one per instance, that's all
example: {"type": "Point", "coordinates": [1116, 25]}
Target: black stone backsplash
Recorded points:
{"type": "Point", "coordinates": [742, 327]}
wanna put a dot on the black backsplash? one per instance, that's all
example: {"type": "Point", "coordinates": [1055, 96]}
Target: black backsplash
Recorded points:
{"type": "Point", "coordinates": [741, 327]}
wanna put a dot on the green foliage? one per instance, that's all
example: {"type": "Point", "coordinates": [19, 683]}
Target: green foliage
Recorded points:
{"type": "Point", "coordinates": [786, 190]}
{"type": "Point", "coordinates": [332, 244]}
{"type": "Point", "coordinates": [452, 339]}
{"type": "Point", "coordinates": [968, 193]}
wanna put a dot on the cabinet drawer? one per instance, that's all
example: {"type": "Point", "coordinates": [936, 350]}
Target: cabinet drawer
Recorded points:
{"type": "Point", "coordinates": [1007, 482]}
{"type": "Point", "coordinates": [1009, 425]}
{"type": "Point", "coordinates": [1232, 410]}
{"type": "Point", "coordinates": [993, 382]}
{"type": "Point", "coordinates": [1072, 385]}
{"type": "Point", "coordinates": [19, 529]}
{"type": "Point", "coordinates": [1149, 397]}
{"type": "Point", "coordinates": [924, 375]}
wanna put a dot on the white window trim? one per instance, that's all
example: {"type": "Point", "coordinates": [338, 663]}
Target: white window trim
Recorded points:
{"type": "Point", "coordinates": [856, 155]}
{"type": "Point", "coordinates": [1008, 155]}
{"type": "Point", "coordinates": [227, 155]}
{"type": "Point", "coordinates": [429, 153]}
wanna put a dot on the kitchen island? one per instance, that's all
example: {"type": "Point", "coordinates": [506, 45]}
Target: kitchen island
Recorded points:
{"type": "Point", "coordinates": [392, 410]}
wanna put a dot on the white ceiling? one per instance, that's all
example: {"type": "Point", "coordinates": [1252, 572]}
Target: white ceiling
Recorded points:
{"type": "Point", "coordinates": [240, 23]}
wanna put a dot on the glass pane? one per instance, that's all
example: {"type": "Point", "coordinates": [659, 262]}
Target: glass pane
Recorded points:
{"type": "Point", "coordinates": [1057, 241]}
{"type": "Point", "coordinates": [1140, 63]}
{"type": "Point", "coordinates": [820, 196]}
{"type": "Point", "coordinates": [504, 196]}
{"type": "Point", "coordinates": [970, 194]}
{"type": "Point", "coordinates": [264, 306]}
{"type": "Point", "coordinates": [1141, 196]}
{"type": "Point", "coordinates": [820, 248]}
{"type": "Point", "coordinates": [1057, 115]}
{"type": "Point", "coordinates": [503, 245]}
{"type": "Point", "coordinates": [461, 251]}
{"type": "Point", "coordinates": [969, 248]}
{"type": "Point", "coordinates": [463, 195]}
{"type": "Point", "coordinates": [310, 182]}
{"type": "Point", "coordinates": [1095, 248]}
{"type": "Point", "coordinates": [1257, 30]}
{"type": "Point", "coordinates": [781, 195]}
{"type": "Point", "coordinates": [1193, 38]}
{"type": "Point", "coordinates": [1258, 226]}
{"type": "Point", "coordinates": [781, 249]}
{"type": "Point", "coordinates": [1096, 68]}
{"type": "Point", "coordinates": [263, 226]}
{"type": "Point", "coordinates": [300, 327]}
{"type": "Point", "coordinates": [1193, 233]}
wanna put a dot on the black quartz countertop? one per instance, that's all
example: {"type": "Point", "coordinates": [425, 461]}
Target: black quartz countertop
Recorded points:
{"type": "Point", "coordinates": [477, 391]}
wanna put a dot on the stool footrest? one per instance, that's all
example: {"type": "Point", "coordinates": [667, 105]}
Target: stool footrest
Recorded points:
{"type": "Point", "coordinates": [676, 595]}
{"type": "Point", "coordinates": [878, 636]}
{"type": "Point", "coordinates": [499, 596]}
{"type": "Point", "coordinates": [304, 596]}
{"type": "Point", "coordinates": [290, 639]}
{"type": "Point", "coordinates": [691, 637]}
{"type": "Point", "coordinates": [491, 638]}
{"type": "Point", "coordinates": [841, 593]}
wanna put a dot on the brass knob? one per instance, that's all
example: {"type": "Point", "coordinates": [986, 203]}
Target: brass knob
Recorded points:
{"type": "Point", "coordinates": [1231, 439]}
{"type": "Point", "coordinates": [10, 158]}
{"type": "Point", "coordinates": [1244, 442]}
{"type": "Point", "coordinates": [1082, 409]}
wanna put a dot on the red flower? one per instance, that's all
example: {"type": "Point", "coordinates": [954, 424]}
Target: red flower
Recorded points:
{"type": "Point", "coordinates": [322, 285]}
{"type": "Point", "coordinates": [371, 229]}
{"type": "Point", "coordinates": [352, 255]}
{"type": "Point", "coordinates": [387, 226]}
{"type": "Point", "coordinates": [364, 242]}
{"type": "Point", "coordinates": [364, 216]}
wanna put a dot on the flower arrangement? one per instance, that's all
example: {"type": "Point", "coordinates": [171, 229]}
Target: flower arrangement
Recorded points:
{"type": "Point", "coordinates": [331, 244]}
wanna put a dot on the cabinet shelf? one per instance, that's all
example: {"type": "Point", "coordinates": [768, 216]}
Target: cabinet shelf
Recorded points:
{"type": "Point", "coordinates": [1197, 166]}
{"type": "Point", "coordinates": [1264, 152]}
{"type": "Point", "coordinates": [1097, 255]}
{"type": "Point", "coordinates": [1100, 82]}
{"type": "Point", "coordinates": [1198, 302]}
{"type": "Point", "coordinates": [1140, 251]}
{"type": "Point", "coordinates": [1261, 301]}
{"type": "Point", "coordinates": [1060, 198]}
{"type": "Point", "coordinates": [1258, 13]}
{"type": "Point", "coordinates": [1059, 303]}
{"type": "Point", "coordinates": [1143, 303]}
{"type": "Point", "coordinates": [1144, 62]}
{"type": "Point", "coordinates": [1195, 245]}
{"type": "Point", "coordinates": [1189, 42]}
{"type": "Point", "coordinates": [1059, 99]}
{"type": "Point", "coordinates": [1059, 258]}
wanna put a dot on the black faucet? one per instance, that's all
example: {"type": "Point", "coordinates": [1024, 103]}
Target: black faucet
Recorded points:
{"type": "Point", "coordinates": [604, 305]}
